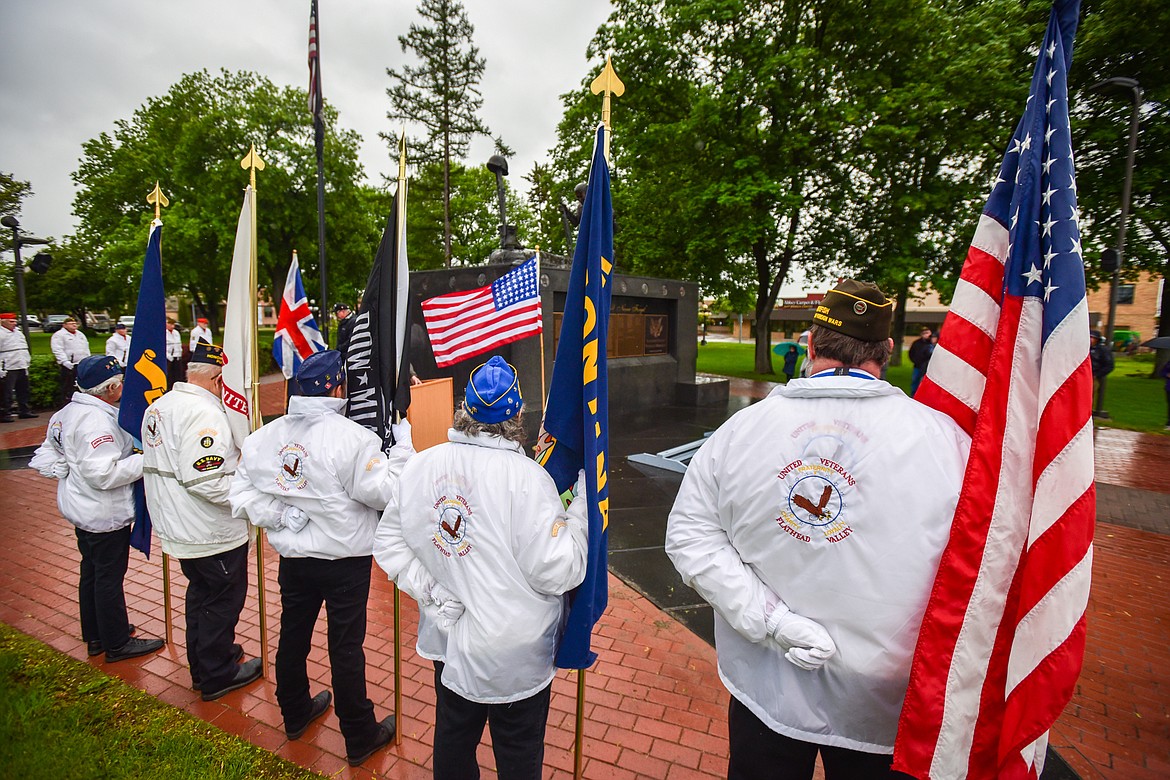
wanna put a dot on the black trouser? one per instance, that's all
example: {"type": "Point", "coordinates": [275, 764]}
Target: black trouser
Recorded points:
{"type": "Point", "coordinates": [758, 753]}
{"type": "Point", "coordinates": [15, 384]}
{"type": "Point", "coordinates": [104, 558]}
{"type": "Point", "coordinates": [216, 588]}
{"type": "Point", "coordinates": [68, 379]}
{"type": "Point", "coordinates": [175, 372]}
{"type": "Point", "coordinates": [344, 587]}
{"type": "Point", "coordinates": [517, 734]}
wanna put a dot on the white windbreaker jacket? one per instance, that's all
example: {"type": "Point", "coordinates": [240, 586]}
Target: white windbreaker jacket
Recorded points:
{"type": "Point", "coordinates": [835, 494]}
{"type": "Point", "coordinates": [480, 518]}
{"type": "Point", "coordinates": [190, 458]}
{"type": "Point", "coordinates": [333, 469]}
{"type": "Point", "coordinates": [14, 354]}
{"type": "Point", "coordinates": [97, 495]}
{"type": "Point", "coordinates": [69, 349]}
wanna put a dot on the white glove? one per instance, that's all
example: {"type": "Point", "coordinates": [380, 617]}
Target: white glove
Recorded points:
{"type": "Point", "coordinates": [401, 432]}
{"type": "Point", "coordinates": [579, 487]}
{"type": "Point", "coordinates": [293, 518]}
{"type": "Point", "coordinates": [60, 469]}
{"type": "Point", "coordinates": [806, 642]}
{"type": "Point", "coordinates": [67, 364]}
{"type": "Point", "coordinates": [449, 609]}
{"type": "Point", "coordinates": [3, 373]}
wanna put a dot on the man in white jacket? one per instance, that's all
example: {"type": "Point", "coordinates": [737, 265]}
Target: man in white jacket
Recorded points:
{"type": "Point", "coordinates": [813, 523]}
{"type": "Point", "coordinates": [94, 461]}
{"type": "Point", "coordinates": [70, 347]}
{"type": "Point", "coordinates": [174, 354]}
{"type": "Point", "coordinates": [118, 344]}
{"type": "Point", "coordinates": [479, 526]}
{"type": "Point", "coordinates": [14, 362]}
{"type": "Point", "coordinates": [189, 460]}
{"type": "Point", "coordinates": [317, 482]}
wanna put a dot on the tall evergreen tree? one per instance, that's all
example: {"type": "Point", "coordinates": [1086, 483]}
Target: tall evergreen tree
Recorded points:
{"type": "Point", "coordinates": [441, 93]}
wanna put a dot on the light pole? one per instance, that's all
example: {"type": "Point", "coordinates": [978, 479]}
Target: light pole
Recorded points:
{"type": "Point", "coordinates": [18, 241]}
{"type": "Point", "coordinates": [1123, 87]}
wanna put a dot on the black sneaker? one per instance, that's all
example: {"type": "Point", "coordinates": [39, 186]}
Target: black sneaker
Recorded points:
{"type": "Point", "coordinates": [320, 705]}
{"type": "Point", "coordinates": [94, 646]}
{"type": "Point", "coordinates": [382, 738]}
{"type": "Point", "coordinates": [237, 656]}
{"type": "Point", "coordinates": [134, 648]}
{"type": "Point", "coordinates": [246, 672]}
{"type": "Point", "coordinates": [28, 415]}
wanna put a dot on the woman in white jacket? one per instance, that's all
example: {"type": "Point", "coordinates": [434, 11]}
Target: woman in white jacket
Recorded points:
{"type": "Point", "coordinates": [93, 460]}
{"type": "Point", "coordinates": [480, 538]}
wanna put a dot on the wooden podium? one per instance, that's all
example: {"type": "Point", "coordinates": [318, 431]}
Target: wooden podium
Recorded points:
{"type": "Point", "coordinates": [432, 409]}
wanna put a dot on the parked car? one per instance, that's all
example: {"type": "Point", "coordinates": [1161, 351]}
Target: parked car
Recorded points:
{"type": "Point", "coordinates": [54, 322]}
{"type": "Point", "coordinates": [32, 321]}
{"type": "Point", "coordinates": [100, 323]}
{"type": "Point", "coordinates": [128, 321]}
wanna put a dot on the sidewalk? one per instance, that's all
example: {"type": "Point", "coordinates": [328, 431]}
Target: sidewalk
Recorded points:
{"type": "Point", "coordinates": [655, 708]}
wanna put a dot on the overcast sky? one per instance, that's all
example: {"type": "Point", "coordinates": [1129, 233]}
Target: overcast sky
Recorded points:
{"type": "Point", "coordinates": [72, 68]}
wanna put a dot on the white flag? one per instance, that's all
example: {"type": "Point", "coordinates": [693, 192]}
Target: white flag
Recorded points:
{"type": "Point", "coordinates": [238, 339]}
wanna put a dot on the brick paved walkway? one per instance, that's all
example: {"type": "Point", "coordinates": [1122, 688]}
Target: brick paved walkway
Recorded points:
{"type": "Point", "coordinates": [655, 708]}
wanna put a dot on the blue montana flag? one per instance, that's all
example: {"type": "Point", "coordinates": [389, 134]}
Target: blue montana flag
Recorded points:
{"type": "Point", "coordinates": [146, 369]}
{"type": "Point", "coordinates": [575, 432]}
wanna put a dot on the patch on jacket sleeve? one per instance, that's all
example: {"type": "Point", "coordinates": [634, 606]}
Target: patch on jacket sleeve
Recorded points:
{"type": "Point", "coordinates": [99, 441]}
{"type": "Point", "coordinates": [208, 463]}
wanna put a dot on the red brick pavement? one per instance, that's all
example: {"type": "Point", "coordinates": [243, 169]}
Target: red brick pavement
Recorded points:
{"type": "Point", "coordinates": [654, 707]}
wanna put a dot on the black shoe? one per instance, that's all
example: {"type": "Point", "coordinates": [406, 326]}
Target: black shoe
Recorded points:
{"type": "Point", "coordinates": [382, 738]}
{"type": "Point", "coordinates": [134, 648]}
{"type": "Point", "coordinates": [7, 419]}
{"type": "Point", "coordinates": [245, 673]}
{"type": "Point", "coordinates": [94, 646]}
{"type": "Point", "coordinates": [28, 415]}
{"type": "Point", "coordinates": [237, 656]}
{"type": "Point", "coordinates": [320, 705]}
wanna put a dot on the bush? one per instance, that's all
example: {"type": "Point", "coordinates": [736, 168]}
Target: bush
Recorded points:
{"type": "Point", "coordinates": [43, 383]}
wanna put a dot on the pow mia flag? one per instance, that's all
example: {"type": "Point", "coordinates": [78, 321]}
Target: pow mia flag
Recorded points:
{"type": "Point", "coordinates": [378, 366]}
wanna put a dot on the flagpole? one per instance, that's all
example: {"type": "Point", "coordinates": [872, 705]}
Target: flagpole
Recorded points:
{"type": "Point", "coordinates": [400, 217]}
{"type": "Point", "coordinates": [543, 384]}
{"type": "Point", "coordinates": [319, 143]}
{"type": "Point", "coordinates": [253, 163]}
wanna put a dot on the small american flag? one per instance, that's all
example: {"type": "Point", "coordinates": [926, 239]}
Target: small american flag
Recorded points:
{"type": "Point", "coordinates": [314, 65]}
{"type": "Point", "coordinates": [1003, 638]}
{"type": "Point", "coordinates": [462, 325]}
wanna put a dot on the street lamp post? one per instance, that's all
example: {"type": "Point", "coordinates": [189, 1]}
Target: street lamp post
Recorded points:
{"type": "Point", "coordinates": [18, 241]}
{"type": "Point", "coordinates": [1124, 87]}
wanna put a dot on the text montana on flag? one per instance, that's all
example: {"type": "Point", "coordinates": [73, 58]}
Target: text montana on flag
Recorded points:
{"type": "Point", "coordinates": [462, 325]}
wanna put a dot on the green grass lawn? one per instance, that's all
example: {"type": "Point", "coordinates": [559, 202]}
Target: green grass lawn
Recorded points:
{"type": "Point", "coordinates": [38, 343]}
{"type": "Point", "coordinates": [1135, 401]}
{"type": "Point", "coordinates": [63, 718]}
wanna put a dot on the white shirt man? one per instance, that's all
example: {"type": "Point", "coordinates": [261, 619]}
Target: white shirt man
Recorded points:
{"type": "Point", "coordinates": [14, 362]}
{"type": "Point", "coordinates": [199, 333]}
{"type": "Point", "coordinates": [118, 345]}
{"type": "Point", "coordinates": [174, 355]}
{"type": "Point", "coordinates": [70, 347]}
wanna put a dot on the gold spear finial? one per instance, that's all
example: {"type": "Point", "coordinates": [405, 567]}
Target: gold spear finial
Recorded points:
{"type": "Point", "coordinates": [158, 200]}
{"type": "Point", "coordinates": [253, 163]}
{"type": "Point", "coordinates": [609, 83]}
{"type": "Point", "coordinates": [402, 154]}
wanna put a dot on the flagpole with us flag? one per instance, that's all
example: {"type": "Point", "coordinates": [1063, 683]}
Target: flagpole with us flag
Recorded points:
{"type": "Point", "coordinates": [575, 431]}
{"type": "Point", "coordinates": [146, 378]}
{"type": "Point", "coordinates": [316, 108]}
{"type": "Point", "coordinates": [1003, 637]}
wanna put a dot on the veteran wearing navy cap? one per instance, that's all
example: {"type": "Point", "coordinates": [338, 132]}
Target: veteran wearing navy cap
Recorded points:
{"type": "Point", "coordinates": [317, 482]}
{"type": "Point", "coordinates": [94, 462]}
{"type": "Point", "coordinates": [813, 523]}
{"type": "Point", "coordinates": [480, 539]}
{"type": "Point", "coordinates": [189, 463]}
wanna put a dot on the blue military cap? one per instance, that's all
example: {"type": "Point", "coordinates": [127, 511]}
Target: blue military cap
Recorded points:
{"type": "Point", "coordinates": [321, 372]}
{"type": "Point", "coordinates": [211, 354]}
{"type": "Point", "coordinates": [493, 392]}
{"type": "Point", "coordinates": [96, 369]}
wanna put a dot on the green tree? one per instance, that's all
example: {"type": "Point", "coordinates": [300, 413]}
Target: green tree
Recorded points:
{"type": "Point", "coordinates": [191, 140]}
{"type": "Point", "coordinates": [441, 93]}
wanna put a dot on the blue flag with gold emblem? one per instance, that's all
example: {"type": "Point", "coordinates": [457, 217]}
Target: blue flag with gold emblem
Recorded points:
{"type": "Point", "coordinates": [146, 369]}
{"type": "Point", "coordinates": [575, 432]}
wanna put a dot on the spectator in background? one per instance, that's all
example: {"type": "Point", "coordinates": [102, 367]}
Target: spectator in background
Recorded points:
{"type": "Point", "coordinates": [790, 363]}
{"type": "Point", "coordinates": [70, 347]}
{"type": "Point", "coordinates": [200, 333]}
{"type": "Point", "coordinates": [118, 345]}
{"type": "Point", "coordinates": [94, 462]}
{"type": "Point", "coordinates": [14, 362]}
{"type": "Point", "coordinates": [920, 352]}
{"type": "Point", "coordinates": [174, 354]}
{"type": "Point", "coordinates": [1100, 363]}
{"type": "Point", "coordinates": [1165, 372]}
{"type": "Point", "coordinates": [344, 329]}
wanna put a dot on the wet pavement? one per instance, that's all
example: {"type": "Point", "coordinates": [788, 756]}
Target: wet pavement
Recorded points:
{"type": "Point", "coordinates": [655, 708]}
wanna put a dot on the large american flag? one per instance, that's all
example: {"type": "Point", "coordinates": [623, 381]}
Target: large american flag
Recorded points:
{"type": "Point", "coordinates": [1003, 638]}
{"type": "Point", "coordinates": [314, 64]}
{"type": "Point", "coordinates": [462, 325]}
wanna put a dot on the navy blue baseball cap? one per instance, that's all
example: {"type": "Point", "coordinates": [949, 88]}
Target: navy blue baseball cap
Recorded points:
{"type": "Point", "coordinates": [493, 392]}
{"type": "Point", "coordinates": [96, 369]}
{"type": "Point", "coordinates": [321, 372]}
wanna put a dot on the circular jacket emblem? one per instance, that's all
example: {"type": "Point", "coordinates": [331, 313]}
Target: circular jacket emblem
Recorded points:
{"type": "Point", "coordinates": [453, 515]}
{"type": "Point", "coordinates": [813, 506]}
{"type": "Point", "coordinates": [291, 474]}
{"type": "Point", "coordinates": [206, 442]}
{"type": "Point", "coordinates": [152, 428]}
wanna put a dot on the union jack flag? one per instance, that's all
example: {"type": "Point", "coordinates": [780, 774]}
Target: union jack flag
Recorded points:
{"type": "Point", "coordinates": [1003, 638]}
{"type": "Point", "coordinates": [297, 335]}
